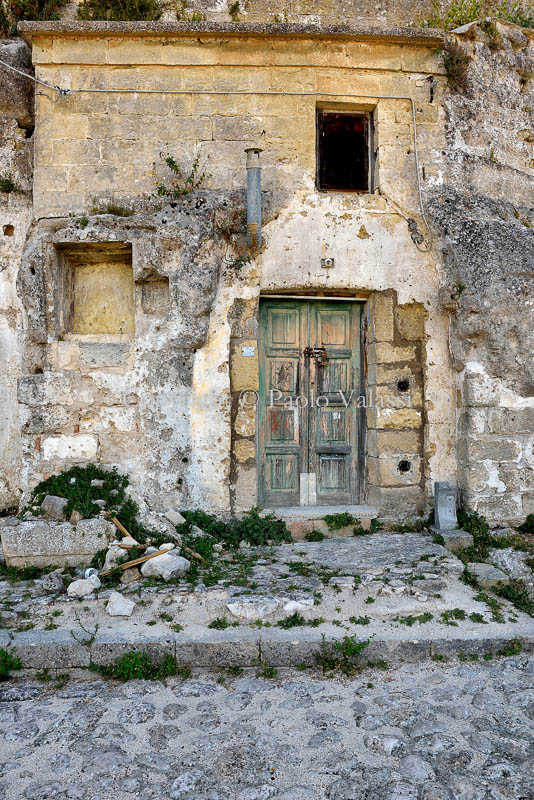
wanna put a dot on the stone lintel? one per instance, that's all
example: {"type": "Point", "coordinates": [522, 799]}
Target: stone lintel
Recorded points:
{"type": "Point", "coordinates": [185, 30]}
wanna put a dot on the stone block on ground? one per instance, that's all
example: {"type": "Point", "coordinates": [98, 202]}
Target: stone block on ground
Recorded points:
{"type": "Point", "coordinates": [130, 575]}
{"type": "Point", "coordinates": [53, 582]}
{"type": "Point", "coordinates": [54, 507]}
{"type": "Point", "coordinates": [174, 517]}
{"type": "Point", "coordinates": [512, 562]}
{"type": "Point", "coordinates": [166, 566]}
{"type": "Point", "coordinates": [112, 556]}
{"type": "Point", "coordinates": [97, 527]}
{"type": "Point", "coordinates": [40, 544]}
{"type": "Point", "coordinates": [252, 608]}
{"type": "Point", "coordinates": [453, 540]}
{"type": "Point", "coordinates": [487, 575]}
{"type": "Point", "coordinates": [119, 606]}
{"type": "Point", "coordinates": [83, 586]}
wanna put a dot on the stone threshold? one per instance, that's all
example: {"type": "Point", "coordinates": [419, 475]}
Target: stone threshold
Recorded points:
{"type": "Point", "coordinates": [302, 519]}
{"type": "Point", "coordinates": [318, 512]}
{"type": "Point", "coordinates": [58, 650]}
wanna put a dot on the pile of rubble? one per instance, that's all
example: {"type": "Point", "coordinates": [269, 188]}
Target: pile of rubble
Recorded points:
{"type": "Point", "coordinates": [44, 537]}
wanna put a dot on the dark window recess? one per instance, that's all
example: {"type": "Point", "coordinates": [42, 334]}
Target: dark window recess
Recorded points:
{"type": "Point", "coordinates": [343, 152]}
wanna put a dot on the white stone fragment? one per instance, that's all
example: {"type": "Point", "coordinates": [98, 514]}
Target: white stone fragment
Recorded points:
{"type": "Point", "coordinates": [112, 556]}
{"type": "Point", "coordinates": [253, 607]}
{"type": "Point", "coordinates": [166, 546]}
{"type": "Point", "coordinates": [83, 586]}
{"type": "Point", "coordinates": [298, 605]}
{"type": "Point", "coordinates": [119, 606]}
{"type": "Point", "coordinates": [166, 566]}
{"type": "Point", "coordinates": [129, 541]}
{"type": "Point", "coordinates": [174, 517]}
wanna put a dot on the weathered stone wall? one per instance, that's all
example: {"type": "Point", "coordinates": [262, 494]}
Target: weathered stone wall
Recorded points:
{"type": "Point", "coordinates": [383, 12]}
{"type": "Point", "coordinates": [163, 401]}
{"type": "Point", "coordinates": [482, 210]}
{"type": "Point", "coordinates": [16, 125]}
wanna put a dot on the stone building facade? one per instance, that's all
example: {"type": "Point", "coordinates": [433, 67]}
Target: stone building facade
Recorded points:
{"type": "Point", "coordinates": [153, 338]}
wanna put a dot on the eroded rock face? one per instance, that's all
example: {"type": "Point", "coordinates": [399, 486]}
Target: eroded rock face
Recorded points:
{"type": "Point", "coordinates": [482, 212]}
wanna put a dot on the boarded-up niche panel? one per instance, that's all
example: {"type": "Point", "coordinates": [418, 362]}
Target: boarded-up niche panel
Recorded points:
{"type": "Point", "coordinates": [103, 299]}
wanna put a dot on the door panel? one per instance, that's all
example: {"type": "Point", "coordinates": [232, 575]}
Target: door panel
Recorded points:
{"type": "Point", "coordinates": [307, 409]}
{"type": "Point", "coordinates": [333, 442]}
{"type": "Point", "coordinates": [282, 426]}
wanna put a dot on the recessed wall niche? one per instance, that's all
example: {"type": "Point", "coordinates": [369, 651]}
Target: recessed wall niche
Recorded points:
{"type": "Point", "coordinates": [97, 288]}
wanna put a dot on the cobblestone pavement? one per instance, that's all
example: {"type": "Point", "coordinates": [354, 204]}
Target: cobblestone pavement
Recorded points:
{"type": "Point", "coordinates": [419, 732]}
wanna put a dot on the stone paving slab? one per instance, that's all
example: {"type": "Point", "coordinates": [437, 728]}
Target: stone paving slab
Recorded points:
{"type": "Point", "coordinates": [397, 590]}
{"type": "Point", "coordinates": [456, 731]}
{"type": "Point", "coordinates": [355, 555]}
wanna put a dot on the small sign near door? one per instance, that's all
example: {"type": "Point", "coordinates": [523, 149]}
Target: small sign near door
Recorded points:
{"type": "Point", "coordinates": [249, 351]}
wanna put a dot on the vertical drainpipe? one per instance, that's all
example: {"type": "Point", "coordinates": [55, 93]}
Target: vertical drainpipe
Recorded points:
{"type": "Point", "coordinates": [253, 197]}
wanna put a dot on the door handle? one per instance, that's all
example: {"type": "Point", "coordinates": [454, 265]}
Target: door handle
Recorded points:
{"type": "Point", "coordinates": [319, 353]}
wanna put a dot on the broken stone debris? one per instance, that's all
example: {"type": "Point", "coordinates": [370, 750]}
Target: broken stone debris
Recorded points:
{"type": "Point", "coordinates": [84, 586]}
{"type": "Point", "coordinates": [174, 517]}
{"type": "Point", "coordinates": [166, 566]}
{"type": "Point", "coordinates": [115, 552]}
{"type": "Point", "coordinates": [119, 606]}
{"type": "Point", "coordinates": [130, 575]}
{"type": "Point", "coordinates": [487, 575]}
{"type": "Point", "coordinates": [54, 507]}
{"type": "Point", "coordinates": [54, 581]}
{"type": "Point", "coordinates": [252, 608]}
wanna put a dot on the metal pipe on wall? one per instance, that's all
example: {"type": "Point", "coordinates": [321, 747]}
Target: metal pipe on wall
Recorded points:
{"type": "Point", "coordinates": [253, 197]}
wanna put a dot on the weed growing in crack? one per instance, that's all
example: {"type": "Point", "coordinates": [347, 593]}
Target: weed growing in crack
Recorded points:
{"type": "Point", "coordinates": [341, 655]}
{"type": "Point", "coordinates": [411, 620]}
{"type": "Point", "coordinates": [268, 672]}
{"type": "Point", "coordinates": [516, 592]}
{"type": "Point", "coordinates": [450, 616]}
{"type": "Point", "coordinates": [138, 665]}
{"type": "Point", "coordinates": [513, 648]}
{"type": "Point", "coordinates": [181, 183]}
{"type": "Point", "coordinates": [297, 620]}
{"type": "Point", "coordinates": [493, 604]}
{"type": "Point", "coordinates": [314, 536]}
{"type": "Point", "coordinates": [221, 623]}
{"type": "Point", "coordinates": [8, 662]}
{"type": "Point", "coordinates": [88, 640]}
{"type": "Point", "coordinates": [335, 522]}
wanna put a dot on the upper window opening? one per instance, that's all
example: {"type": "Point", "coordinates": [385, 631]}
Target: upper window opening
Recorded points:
{"type": "Point", "coordinates": [343, 152]}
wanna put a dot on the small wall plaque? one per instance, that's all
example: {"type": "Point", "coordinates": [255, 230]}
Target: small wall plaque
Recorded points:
{"type": "Point", "coordinates": [246, 350]}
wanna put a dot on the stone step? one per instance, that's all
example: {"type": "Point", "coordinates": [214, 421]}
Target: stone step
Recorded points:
{"type": "Point", "coordinates": [303, 519]}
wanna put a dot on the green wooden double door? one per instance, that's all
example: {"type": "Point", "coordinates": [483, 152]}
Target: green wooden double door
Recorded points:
{"type": "Point", "coordinates": [308, 402]}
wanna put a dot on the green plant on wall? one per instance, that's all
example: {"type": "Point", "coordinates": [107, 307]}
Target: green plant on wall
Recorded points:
{"type": "Point", "coordinates": [8, 184]}
{"type": "Point", "coordinates": [122, 10]}
{"type": "Point", "coordinates": [461, 12]}
{"type": "Point", "coordinates": [180, 183]}
{"type": "Point", "coordinates": [456, 62]}
{"type": "Point", "coordinates": [234, 7]}
{"type": "Point", "coordinates": [14, 11]}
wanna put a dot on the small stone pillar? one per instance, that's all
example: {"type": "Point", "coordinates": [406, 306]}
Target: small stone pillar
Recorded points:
{"type": "Point", "coordinates": [445, 521]}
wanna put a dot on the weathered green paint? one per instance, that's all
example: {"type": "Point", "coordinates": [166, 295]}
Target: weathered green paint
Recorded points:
{"type": "Point", "coordinates": [307, 409]}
